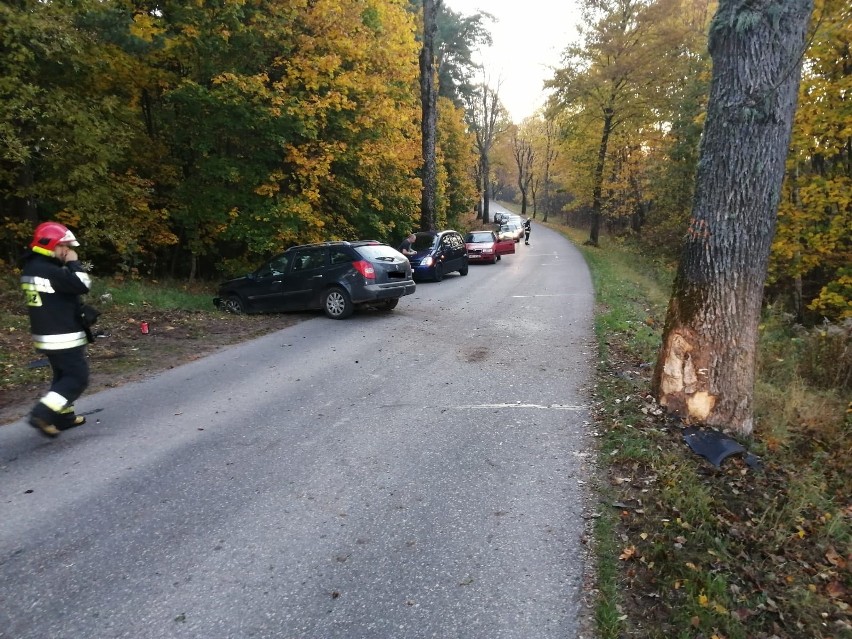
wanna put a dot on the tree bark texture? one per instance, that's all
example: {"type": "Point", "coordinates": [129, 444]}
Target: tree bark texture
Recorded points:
{"type": "Point", "coordinates": [429, 120]}
{"type": "Point", "coordinates": [486, 189]}
{"type": "Point", "coordinates": [486, 109]}
{"type": "Point", "coordinates": [524, 159]}
{"type": "Point", "coordinates": [594, 233]}
{"type": "Point", "coordinates": [549, 158]}
{"type": "Point", "coordinates": [706, 368]}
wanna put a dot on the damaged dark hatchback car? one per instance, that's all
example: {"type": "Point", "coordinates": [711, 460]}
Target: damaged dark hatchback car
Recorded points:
{"type": "Point", "coordinates": [333, 276]}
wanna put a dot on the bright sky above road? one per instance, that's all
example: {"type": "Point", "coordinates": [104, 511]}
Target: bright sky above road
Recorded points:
{"type": "Point", "coordinates": [529, 38]}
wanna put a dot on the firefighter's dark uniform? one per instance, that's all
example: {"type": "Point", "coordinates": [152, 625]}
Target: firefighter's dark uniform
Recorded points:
{"type": "Point", "coordinates": [527, 229]}
{"type": "Point", "coordinates": [52, 292]}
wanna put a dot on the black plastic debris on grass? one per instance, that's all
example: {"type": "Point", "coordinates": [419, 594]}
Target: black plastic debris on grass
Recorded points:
{"type": "Point", "coordinates": [38, 363]}
{"type": "Point", "coordinates": [716, 447]}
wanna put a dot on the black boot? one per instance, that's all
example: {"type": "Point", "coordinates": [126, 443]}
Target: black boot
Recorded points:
{"type": "Point", "coordinates": [69, 421]}
{"type": "Point", "coordinates": [42, 419]}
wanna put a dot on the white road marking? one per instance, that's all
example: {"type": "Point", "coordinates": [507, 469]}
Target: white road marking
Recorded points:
{"type": "Point", "coordinates": [519, 405]}
{"type": "Point", "coordinates": [548, 295]}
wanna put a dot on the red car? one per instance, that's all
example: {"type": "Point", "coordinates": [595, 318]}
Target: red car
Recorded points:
{"type": "Point", "coordinates": [483, 246]}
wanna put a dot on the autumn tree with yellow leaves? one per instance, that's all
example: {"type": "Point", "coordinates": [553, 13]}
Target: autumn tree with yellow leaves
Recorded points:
{"type": "Point", "coordinates": [811, 261]}
{"type": "Point", "coordinates": [194, 138]}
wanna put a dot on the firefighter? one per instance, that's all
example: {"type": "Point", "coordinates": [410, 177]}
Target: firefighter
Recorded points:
{"type": "Point", "coordinates": [53, 280]}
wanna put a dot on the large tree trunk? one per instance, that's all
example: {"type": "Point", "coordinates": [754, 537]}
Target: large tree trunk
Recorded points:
{"type": "Point", "coordinates": [486, 191]}
{"type": "Point", "coordinates": [30, 204]}
{"type": "Point", "coordinates": [486, 120]}
{"type": "Point", "coordinates": [429, 121]}
{"type": "Point", "coordinates": [594, 233]}
{"type": "Point", "coordinates": [478, 179]}
{"type": "Point", "coordinates": [549, 158]}
{"type": "Point", "coordinates": [706, 368]}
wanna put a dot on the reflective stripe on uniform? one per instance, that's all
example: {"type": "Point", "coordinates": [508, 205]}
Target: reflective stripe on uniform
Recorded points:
{"type": "Point", "coordinates": [54, 401]}
{"type": "Point", "coordinates": [84, 277]}
{"type": "Point", "coordinates": [35, 283]}
{"type": "Point", "coordinates": [60, 342]}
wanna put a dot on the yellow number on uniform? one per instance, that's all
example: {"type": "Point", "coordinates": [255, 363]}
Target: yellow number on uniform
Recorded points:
{"type": "Point", "coordinates": [32, 298]}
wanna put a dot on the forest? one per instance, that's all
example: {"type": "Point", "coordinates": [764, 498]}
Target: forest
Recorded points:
{"type": "Point", "coordinates": [190, 139]}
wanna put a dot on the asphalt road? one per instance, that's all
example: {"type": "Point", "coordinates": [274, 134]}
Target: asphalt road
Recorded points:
{"type": "Point", "coordinates": [419, 473]}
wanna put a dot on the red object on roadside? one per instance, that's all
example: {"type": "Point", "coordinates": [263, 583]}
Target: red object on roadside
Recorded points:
{"type": "Point", "coordinates": [144, 328]}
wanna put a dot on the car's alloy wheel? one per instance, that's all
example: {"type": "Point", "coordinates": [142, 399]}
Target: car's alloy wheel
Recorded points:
{"type": "Point", "coordinates": [336, 303]}
{"type": "Point", "coordinates": [233, 304]}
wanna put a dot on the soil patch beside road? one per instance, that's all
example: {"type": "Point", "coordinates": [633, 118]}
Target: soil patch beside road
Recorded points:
{"type": "Point", "coordinates": [122, 353]}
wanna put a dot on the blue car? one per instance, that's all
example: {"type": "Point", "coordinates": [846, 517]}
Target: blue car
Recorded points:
{"type": "Point", "coordinates": [438, 253]}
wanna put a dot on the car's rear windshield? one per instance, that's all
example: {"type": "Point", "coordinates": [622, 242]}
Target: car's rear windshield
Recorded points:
{"type": "Point", "coordinates": [377, 251]}
{"type": "Point", "coordinates": [479, 237]}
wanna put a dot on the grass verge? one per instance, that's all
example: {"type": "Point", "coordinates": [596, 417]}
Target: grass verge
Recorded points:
{"type": "Point", "coordinates": [688, 550]}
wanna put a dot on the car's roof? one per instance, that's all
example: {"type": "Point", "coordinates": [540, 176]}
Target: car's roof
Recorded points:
{"type": "Point", "coordinates": [354, 243]}
{"type": "Point", "coordinates": [424, 233]}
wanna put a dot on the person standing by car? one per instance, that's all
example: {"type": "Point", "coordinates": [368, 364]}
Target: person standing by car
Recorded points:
{"type": "Point", "coordinates": [527, 229]}
{"type": "Point", "coordinates": [407, 246]}
{"type": "Point", "coordinates": [53, 280]}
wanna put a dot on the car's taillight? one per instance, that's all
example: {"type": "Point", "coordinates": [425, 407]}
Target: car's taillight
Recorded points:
{"type": "Point", "coordinates": [365, 268]}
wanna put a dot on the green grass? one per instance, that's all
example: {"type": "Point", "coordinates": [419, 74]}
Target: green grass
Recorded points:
{"type": "Point", "coordinates": [17, 350]}
{"type": "Point", "coordinates": [607, 614]}
{"type": "Point", "coordinates": [151, 293]}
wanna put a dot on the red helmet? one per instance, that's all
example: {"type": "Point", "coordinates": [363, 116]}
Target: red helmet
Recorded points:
{"type": "Point", "coordinates": [48, 235]}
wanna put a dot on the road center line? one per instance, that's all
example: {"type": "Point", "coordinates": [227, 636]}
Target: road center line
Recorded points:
{"type": "Point", "coordinates": [548, 295]}
{"type": "Point", "coordinates": [519, 405]}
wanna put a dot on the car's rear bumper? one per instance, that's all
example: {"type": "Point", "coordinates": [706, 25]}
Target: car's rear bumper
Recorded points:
{"type": "Point", "coordinates": [387, 291]}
